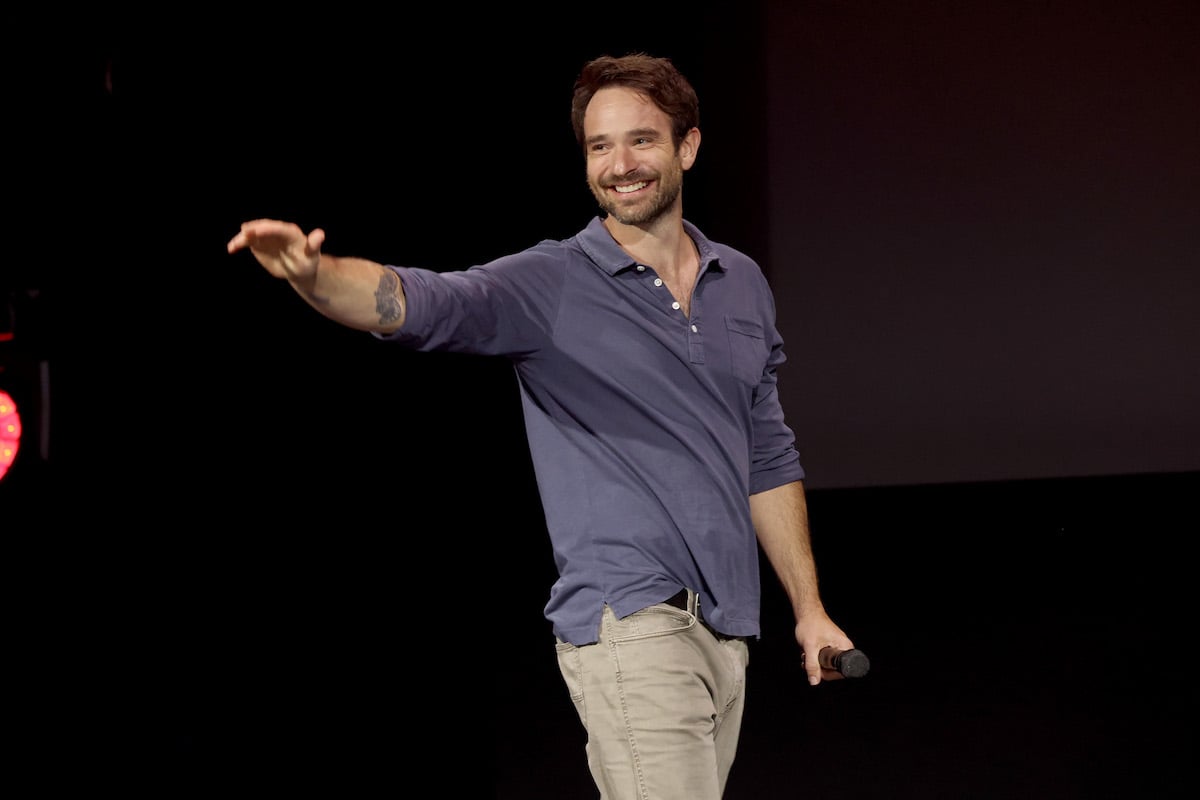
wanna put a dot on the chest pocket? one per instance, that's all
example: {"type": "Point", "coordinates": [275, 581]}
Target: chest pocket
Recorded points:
{"type": "Point", "coordinates": [747, 349]}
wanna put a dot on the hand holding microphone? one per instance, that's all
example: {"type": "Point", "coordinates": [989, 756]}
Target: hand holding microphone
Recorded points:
{"type": "Point", "coordinates": [850, 663]}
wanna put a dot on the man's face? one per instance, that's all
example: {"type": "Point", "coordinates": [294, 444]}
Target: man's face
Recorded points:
{"type": "Point", "coordinates": [634, 170]}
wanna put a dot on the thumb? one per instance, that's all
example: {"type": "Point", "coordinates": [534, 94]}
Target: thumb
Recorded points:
{"type": "Point", "coordinates": [316, 238]}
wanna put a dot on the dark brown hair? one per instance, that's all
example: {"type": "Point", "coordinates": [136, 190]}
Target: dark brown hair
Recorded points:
{"type": "Point", "coordinates": [656, 78]}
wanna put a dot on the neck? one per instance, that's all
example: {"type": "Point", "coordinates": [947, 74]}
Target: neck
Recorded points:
{"type": "Point", "coordinates": [662, 243]}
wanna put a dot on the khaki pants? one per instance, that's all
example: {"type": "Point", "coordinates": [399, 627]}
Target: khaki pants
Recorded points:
{"type": "Point", "coordinates": [661, 697]}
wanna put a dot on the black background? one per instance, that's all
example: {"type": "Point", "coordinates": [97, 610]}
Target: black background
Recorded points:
{"type": "Point", "coordinates": [265, 551]}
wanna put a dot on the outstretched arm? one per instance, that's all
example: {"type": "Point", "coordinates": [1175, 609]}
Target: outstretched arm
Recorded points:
{"type": "Point", "coordinates": [780, 517]}
{"type": "Point", "coordinates": [353, 291]}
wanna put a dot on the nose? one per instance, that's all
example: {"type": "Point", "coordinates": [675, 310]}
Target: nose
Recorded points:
{"type": "Point", "coordinates": [623, 160]}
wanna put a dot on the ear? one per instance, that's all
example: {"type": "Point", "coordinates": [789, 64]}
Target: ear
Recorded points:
{"type": "Point", "coordinates": [689, 147]}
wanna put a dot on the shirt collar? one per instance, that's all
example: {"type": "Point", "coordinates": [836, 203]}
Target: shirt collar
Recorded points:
{"type": "Point", "coordinates": [603, 249]}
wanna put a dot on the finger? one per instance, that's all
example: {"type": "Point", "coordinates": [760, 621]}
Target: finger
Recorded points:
{"type": "Point", "coordinates": [315, 239]}
{"type": "Point", "coordinates": [811, 666]}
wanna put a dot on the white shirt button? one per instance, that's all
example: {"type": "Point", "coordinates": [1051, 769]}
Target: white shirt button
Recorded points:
{"type": "Point", "coordinates": [695, 329]}
{"type": "Point", "coordinates": [675, 306]}
{"type": "Point", "coordinates": [641, 268]}
{"type": "Point", "coordinates": [658, 281]}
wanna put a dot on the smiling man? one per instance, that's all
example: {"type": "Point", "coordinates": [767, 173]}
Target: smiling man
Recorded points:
{"type": "Point", "coordinates": [646, 359]}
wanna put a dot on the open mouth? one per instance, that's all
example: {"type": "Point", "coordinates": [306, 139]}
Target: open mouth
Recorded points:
{"type": "Point", "coordinates": [630, 187]}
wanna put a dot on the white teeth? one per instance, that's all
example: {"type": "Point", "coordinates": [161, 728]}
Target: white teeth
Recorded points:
{"type": "Point", "coordinates": [633, 187]}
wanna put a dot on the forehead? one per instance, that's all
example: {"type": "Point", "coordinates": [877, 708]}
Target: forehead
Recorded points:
{"type": "Point", "coordinates": [615, 109]}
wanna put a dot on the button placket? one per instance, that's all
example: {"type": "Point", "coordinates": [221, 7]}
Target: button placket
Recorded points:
{"type": "Point", "coordinates": [659, 284]}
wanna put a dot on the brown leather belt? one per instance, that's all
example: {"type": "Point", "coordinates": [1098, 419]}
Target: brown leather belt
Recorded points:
{"type": "Point", "coordinates": [680, 601]}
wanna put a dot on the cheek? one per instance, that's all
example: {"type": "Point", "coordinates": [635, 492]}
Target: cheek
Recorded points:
{"type": "Point", "coordinates": [595, 168]}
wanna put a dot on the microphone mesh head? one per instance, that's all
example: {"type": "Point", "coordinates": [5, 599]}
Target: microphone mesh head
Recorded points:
{"type": "Point", "coordinates": [854, 664]}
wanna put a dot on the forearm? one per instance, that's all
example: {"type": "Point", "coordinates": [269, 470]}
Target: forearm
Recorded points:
{"type": "Point", "coordinates": [356, 292]}
{"type": "Point", "coordinates": [780, 517]}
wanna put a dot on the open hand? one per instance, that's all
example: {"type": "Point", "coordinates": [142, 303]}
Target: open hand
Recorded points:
{"type": "Point", "coordinates": [281, 247]}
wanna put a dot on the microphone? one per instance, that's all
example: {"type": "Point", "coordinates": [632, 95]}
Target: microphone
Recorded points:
{"type": "Point", "coordinates": [851, 663]}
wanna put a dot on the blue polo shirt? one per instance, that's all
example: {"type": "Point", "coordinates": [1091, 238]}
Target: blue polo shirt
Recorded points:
{"type": "Point", "coordinates": [648, 430]}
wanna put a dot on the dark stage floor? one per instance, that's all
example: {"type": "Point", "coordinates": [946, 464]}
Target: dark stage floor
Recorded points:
{"type": "Point", "coordinates": [1027, 639]}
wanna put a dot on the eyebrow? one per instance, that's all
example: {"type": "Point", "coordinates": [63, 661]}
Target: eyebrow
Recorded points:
{"type": "Point", "coordinates": [633, 134]}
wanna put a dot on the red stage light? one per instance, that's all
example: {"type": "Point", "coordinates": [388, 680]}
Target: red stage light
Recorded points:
{"type": "Point", "coordinates": [10, 432]}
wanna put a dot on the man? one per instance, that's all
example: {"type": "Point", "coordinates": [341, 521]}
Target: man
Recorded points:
{"type": "Point", "coordinates": [646, 358]}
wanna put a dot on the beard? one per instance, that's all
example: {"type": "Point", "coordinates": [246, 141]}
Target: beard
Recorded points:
{"type": "Point", "coordinates": [645, 209]}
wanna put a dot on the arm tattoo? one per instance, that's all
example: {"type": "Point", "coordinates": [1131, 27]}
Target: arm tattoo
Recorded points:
{"type": "Point", "coordinates": [387, 301]}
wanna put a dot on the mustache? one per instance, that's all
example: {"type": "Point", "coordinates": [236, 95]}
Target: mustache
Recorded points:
{"type": "Point", "coordinates": [629, 177]}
